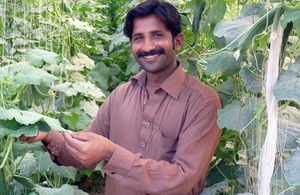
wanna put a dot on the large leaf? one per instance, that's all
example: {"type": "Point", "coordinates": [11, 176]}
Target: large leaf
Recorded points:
{"type": "Point", "coordinates": [82, 59]}
{"type": "Point", "coordinates": [288, 86]}
{"type": "Point", "coordinates": [222, 63]}
{"type": "Point", "coordinates": [100, 74]}
{"type": "Point", "coordinates": [65, 189]}
{"type": "Point", "coordinates": [215, 15]}
{"type": "Point", "coordinates": [292, 16]}
{"type": "Point", "coordinates": [37, 57]}
{"type": "Point", "coordinates": [292, 169]}
{"type": "Point", "coordinates": [288, 128]}
{"type": "Point", "coordinates": [238, 117]}
{"type": "Point", "coordinates": [252, 74]}
{"type": "Point", "coordinates": [23, 73]}
{"type": "Point", "coordinates": [28, 117]}
{"type": "Point", "coordinates": [232, 31]}
{"type": "Point", "coordinates": [27, 165]}
{"type": "Point", "coordinates": [44, 165]}
{"type": "Point", "coordinates": [85, 88]}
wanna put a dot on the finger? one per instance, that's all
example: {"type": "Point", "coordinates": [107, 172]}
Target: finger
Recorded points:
{"type": "Point", "coordinates": [73, 152]}
{"type": "Point", "coordinates": [23, 138]}
{"type": "Point", "coordinates": [82, 136]}
{"type": "Point", "coordinates": [72, 142]}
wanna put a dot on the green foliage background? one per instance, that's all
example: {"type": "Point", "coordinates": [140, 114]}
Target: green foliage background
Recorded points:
{"type": "Point", "coordinates": [61, 59]}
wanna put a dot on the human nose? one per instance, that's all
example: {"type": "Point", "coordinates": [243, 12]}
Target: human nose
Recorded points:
{"type": "Point", "coordinates": [148, 45]}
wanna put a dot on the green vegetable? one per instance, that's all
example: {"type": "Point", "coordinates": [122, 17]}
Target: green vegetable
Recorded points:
{"type": "Point", "coordinates": [278, 13]}
{"type": "Point", "coordinates": [196, 20]}
{"type": "Point", "coordinates": [257, 28]}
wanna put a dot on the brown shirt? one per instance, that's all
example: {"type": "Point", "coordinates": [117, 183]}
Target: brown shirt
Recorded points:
{"type": "Point", "coordinates": [164, 144]}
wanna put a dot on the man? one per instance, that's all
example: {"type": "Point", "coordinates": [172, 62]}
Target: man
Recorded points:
{"type": "Point", "coordinates": [158, 132]}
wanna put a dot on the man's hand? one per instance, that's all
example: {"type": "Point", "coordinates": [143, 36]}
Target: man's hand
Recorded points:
{"type": "Point", "coordinates": [88, 147]}
{"type": "Point", "coordinates": [41, 136]}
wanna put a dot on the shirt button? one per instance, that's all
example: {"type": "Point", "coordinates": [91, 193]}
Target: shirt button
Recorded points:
{"type": "Point", "coordinates": [112, 172]}
{"type": "Point", "coordinates": [147, 125]}
{"type": "Point", "coordinates": [143, 144]}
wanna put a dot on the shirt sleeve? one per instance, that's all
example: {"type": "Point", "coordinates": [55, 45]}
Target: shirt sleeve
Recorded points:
{"type": "Point", "coordinates": [189, 166]}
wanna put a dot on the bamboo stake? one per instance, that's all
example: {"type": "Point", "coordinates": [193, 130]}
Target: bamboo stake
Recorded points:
{"type": "Point", "coordinates": [267, 157]}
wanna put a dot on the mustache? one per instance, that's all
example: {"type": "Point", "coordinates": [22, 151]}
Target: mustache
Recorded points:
{"type": "Point", "coordinates": [153, 52]}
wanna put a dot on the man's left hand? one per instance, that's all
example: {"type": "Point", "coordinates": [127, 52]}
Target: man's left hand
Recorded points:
{"type": "Point", "coordinates": [88, 147]}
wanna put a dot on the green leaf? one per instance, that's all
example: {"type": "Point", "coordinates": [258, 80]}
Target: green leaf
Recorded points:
{"type": "Point", "coordinates": [65, 189]}
{"type": "Point", "coordinates": [25, 181]}
{"type": "Point", "coordinates": [74, 118]}
{"type": "Point", "coordinates": [215, 188]}
{"type": "Point", "coordinates": [227, 92]}
{"type": "Point", "coordinates": [252, 74]}
{"type": "Point", "coordinates": [236, 116]}
{"type": "Point", "coordinates": [214, 16]}
{"type": "Point", "coordinates": [87, 89]}
{"type": "Point", "coordinates": [80, 25]}
{"type": "Point", "coordinates": [292, 16]}
{"type": "Point", "coordinates": [27, 117]}
{"type": "Point", "coordinates": [100, 74]}
{"type": "Point", "coordinates": [288, 86]}
{"type": "Point", "coordinates": [29, 130]}
{"type": "Point", "coordinates": [118, 39]}
{"type": "Point", "coordinates": [292, 169]}
{"type": "Point", "coordinates": [45, 164]}
{"type": "Point", "coordinates": [222, 63]}
{"type": "Point", "coordinates": [37, 57]}
{"type": "Point", "coordinates": [90, 107]}
{"type": "Point", "coordinates": [82, 59]}
{"type": "Point", "coordinates": [27, 165]}
{"type": "Point", "coordinates": [23, 73]}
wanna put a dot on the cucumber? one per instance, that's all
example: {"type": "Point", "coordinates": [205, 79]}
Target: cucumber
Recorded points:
{"type": "Point", "coordinates": [257, 28]}
{"type": "Point", "coordinates": [197, 19]}
{"type": "Point", "coordinates": [277, 16]}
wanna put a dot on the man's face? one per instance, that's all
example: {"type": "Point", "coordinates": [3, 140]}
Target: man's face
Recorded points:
{"type": "Point", "coordinates": [153, 45]}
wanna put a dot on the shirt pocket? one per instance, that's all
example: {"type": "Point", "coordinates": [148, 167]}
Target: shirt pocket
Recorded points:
{"type": "Point", "coordinates": [161, 147]}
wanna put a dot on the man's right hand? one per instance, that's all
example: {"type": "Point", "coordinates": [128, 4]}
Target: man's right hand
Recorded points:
{"type": "Point", "coordinates": [41, 136]}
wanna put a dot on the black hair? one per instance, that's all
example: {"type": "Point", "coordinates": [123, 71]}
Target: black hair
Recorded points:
{"type": "Point", "coordinates": [165, 11]}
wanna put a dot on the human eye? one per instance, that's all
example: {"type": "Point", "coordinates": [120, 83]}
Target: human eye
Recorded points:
{"type": "Point", "coordinates": [157, 35]}
{"type": "Point", "coordinates": [137, 38]}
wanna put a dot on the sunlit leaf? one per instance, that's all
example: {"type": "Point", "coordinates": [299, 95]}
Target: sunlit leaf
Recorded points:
{"type": "Point", "coordinates": [37, 57]}
{"type": "Point", "coordinates": [89, 107]}
{"type": "Point", "coordinates": [28, 117]}
{"type": "Point", "coordinates": [82, 59]}
{"type": "Point", "coordinates": [86, 88]}
{"type": "Point", "coordinates": [80, 25]}
{"type": "Point", "coordinates": [23, 73]}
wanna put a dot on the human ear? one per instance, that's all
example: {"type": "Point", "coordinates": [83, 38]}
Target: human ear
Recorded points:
{"type": "Point", "coordinates": [178, 40]}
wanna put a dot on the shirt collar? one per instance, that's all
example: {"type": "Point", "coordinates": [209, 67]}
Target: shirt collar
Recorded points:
{"type": "Point", "coordinates": [172, 85]}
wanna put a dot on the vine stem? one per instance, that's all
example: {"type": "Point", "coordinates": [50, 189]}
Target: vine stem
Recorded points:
{"type": "Point", "coordinates": [11, 142]}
